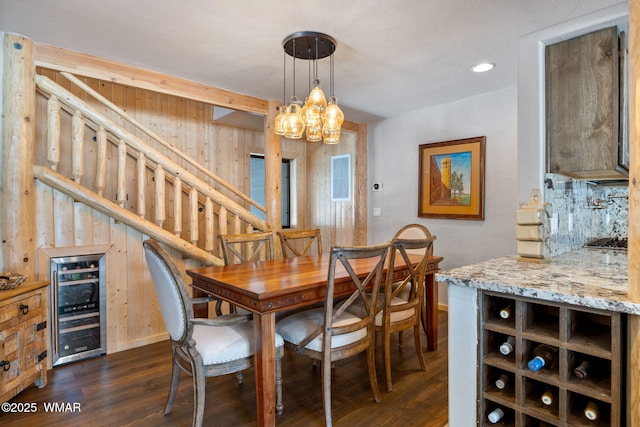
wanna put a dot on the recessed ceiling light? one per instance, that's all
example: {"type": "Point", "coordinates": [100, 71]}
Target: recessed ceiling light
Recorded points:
{"type": "Point", "coordinates": [485, 66]}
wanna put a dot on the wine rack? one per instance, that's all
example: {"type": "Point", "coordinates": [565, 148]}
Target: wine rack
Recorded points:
{"type": "Point", "coordinates": [576, 334]}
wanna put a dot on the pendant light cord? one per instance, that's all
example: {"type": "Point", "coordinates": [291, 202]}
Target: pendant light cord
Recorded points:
{"type": "Point", "coordinates": [284, 79]}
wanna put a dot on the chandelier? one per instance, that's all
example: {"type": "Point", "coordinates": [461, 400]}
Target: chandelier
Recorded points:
{"type": "Point", "coordinates": [316, 118]}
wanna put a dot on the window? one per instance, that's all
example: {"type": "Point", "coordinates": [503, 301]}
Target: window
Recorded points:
{"type": "Point", "coordinates": [341, 177]}
{"type": "Point", "coordinates": [257, 187]}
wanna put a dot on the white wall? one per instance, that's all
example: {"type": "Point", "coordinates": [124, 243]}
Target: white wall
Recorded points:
{"type": "Point", "coordinates": [393, 160]}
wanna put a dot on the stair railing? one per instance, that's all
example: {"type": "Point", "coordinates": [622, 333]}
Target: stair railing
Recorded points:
{"type": "Point", "coordinates": [229, 213]}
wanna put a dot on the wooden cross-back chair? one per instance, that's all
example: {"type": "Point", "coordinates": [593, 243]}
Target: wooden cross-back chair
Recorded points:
{"type": "Point", "coordinates": [246, 247]}
{"type": "Point", "coordinates": [242, 248]}
{"type": "Point", "coordinates": [331, 332]}
{"type": "Point", "coordinates": [201, 348]}
{"type": "Point", "coordinates": [403, 298]}
{"type": "Point", "coordinates": [300, 242]}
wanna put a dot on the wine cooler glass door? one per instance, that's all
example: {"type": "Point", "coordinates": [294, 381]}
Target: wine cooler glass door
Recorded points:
{"type": "Point", "coordinates": [78, 316]}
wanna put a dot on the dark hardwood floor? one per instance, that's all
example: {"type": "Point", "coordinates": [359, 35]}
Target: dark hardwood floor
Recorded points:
{"type": "Point", "coordinates": [130, 388]}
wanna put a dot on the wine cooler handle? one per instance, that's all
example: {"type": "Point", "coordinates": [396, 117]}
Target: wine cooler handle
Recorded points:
{"type": "Point", "coordinates": [24, 308]}
{"type": "Point", "coordinates": [6, 365]}
{"type": "Point", "coordinates": [54, 314]}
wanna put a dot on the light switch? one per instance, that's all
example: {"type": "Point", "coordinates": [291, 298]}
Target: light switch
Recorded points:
{"type": "Point", "coordinates": [376, 211]}
{"type": "Point", "coordinates": [554, 223]}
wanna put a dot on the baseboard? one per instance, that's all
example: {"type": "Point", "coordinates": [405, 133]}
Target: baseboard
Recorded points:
{"type": "Point", "coordinates": [143, 341]}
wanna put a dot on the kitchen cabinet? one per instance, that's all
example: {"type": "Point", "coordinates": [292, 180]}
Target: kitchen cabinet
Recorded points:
{"type": "Point", "coordinates": [553, 395]}
{"type": "Point", "coordinates": [586, 106]}
{"type": "Point", "coordinates": [23, 338]}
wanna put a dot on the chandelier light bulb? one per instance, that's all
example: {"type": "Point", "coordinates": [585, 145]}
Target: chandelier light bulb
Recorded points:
{"type": "Point", "coordinates": [330, 137]}
{"type": "Point", "coordinates": [317, 100]}
{"type": "Point", "coordinates": [279, 120]}
{"type": "Point", "coordinates": [293, 123]}
{"type": "Point", "coordinates": [333, 116]}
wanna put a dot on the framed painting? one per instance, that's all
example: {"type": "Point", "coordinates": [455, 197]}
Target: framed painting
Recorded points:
{"type": "Point", "coordinates": [452, 179]}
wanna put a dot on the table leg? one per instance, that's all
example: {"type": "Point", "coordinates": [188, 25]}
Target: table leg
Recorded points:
{"type": "Point", "coordinates": [200, 310]}
{"type": "Point", "coordinates": [430, 311]}
{"type": "Point", "coordinates": [264, 328]}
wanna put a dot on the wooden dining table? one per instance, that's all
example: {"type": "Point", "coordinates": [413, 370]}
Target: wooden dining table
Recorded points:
{"type": "Point", "coordinates": [269, 287]}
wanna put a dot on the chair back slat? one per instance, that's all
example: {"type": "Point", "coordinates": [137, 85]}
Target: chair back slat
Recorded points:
{"type": "Point", "coordinates": [247, 247]}
{"type": "Point", "coordinates": [371, 283]}
{"type": "Point", "coordinates": [300, 242]}
{"type": "Point", "coordinates": [411, 239]}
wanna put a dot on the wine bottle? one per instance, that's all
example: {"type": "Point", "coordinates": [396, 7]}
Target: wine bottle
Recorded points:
{"type": "Point", "coordinates": [547, 397]}
{"type": "Point", "coordinates": [582, 370]}
{"type": "Point", "coordinates": [506, 312]}
{"type": "Point", "coordinates": [591, 411]}
{"type": "Point", "coordinates": [502, 382]}
{"type": "Point", "coordinates": [543, 356]}
{"type": "Point", "coordinates": [507, 347]}
{"type": "Point", "coordinates": [495, 415]}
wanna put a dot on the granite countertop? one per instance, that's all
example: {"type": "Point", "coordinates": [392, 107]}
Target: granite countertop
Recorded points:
{"type": "Point", "coordinates": [593, 278]}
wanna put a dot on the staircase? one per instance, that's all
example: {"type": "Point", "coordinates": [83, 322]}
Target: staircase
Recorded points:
{"type": "Point", "coordinates": [134, 181]}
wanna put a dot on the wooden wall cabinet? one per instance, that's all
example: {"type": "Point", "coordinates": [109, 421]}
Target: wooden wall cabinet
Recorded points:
{"type": "Point", "coordinates": [23, 338]}
{"type": "Point", "coordinates": [578, 334]}
{"type": "Point", "coordinates": [585, 107]}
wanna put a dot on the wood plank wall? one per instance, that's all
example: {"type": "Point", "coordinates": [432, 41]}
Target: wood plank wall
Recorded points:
{"type": "Point", "coordinates": [133, 315]}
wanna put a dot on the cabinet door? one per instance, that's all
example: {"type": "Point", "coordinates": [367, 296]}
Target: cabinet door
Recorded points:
{"type": "Point", "coordinates": [582, 106]}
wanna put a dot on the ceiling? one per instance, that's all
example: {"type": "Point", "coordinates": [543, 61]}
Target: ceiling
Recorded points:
{"type": "Point", "coordinates": [392, 56]}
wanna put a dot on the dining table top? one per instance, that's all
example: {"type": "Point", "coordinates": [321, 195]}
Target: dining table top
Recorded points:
{"type": "Point", "coordinates": [264, 283]}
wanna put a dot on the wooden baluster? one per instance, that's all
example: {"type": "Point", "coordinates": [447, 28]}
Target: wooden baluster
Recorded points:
{"type": "Point", "coordinates": [142, 183]}
{"type": "Point", "coordinates": [77, 146]}
{"type": "Point", "coordinates": [236, 225]}
{"type": "Point", "coordinates": [101, 169]}
{"type": "Point", "coordinates": [121, 197]}
{"type": "Point", "coordinates": [159, 178]}
{"type": "Point", "coordinates": [193, 216]}
{"type": "Point", "coordinates": [208, 215]}
{"type": "Point", "coordinates": [177, 206]}
{"type": "Point", "coordinates": [222, 220]}
{"type": "Point", "coordinates": [53, 132]}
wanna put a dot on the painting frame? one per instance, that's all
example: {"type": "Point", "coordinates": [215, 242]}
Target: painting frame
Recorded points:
{"type": "Point", "coordinates": [451, 179]}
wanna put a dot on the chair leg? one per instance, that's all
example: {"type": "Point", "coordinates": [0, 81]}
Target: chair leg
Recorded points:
{"type": "Point", "coordinates": [387, 357]}
{"type": "Point", "coordinates": [416, 336]}
{"type": "Point", "coordinates": [326, 389]}
{"type": "Point", "coordinates": [373, 377]}
{"type": "Point", "coordinates": [199, 390]}
{"type": "Point", "coordinates": [175, 379]}
{"type": "Point", "coordinates": [279, 405]}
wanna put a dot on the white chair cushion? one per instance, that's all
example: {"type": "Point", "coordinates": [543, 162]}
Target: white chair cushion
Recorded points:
{"type": "Point", "coordinates": [358, 309]}
{"type": "Point", "coordinates": [221, 344]}
{"type": "Point", "coordinates": [396, 316]}
{"type": "Point", "coordinates": [298, 326]}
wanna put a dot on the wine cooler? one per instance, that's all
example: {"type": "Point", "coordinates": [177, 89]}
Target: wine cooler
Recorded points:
{"type": "Point", "coordinates": [78, 317]}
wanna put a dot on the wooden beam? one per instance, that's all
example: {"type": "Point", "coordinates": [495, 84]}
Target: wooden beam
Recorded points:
{"type": "Point", "coordinates": [60, 59]}
{"type": "Point", "coordinates": [361, 188]}
{"type": "Point", "coordinates": [273, 172]}
{"type": "Point", "coordinates": [19, 108]}
{"type": "Point", "coordinates": [634, 212]}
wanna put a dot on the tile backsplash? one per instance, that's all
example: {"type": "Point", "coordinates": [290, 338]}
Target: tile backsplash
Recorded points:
{"type": "Point", "coordinates": [584, 211]}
